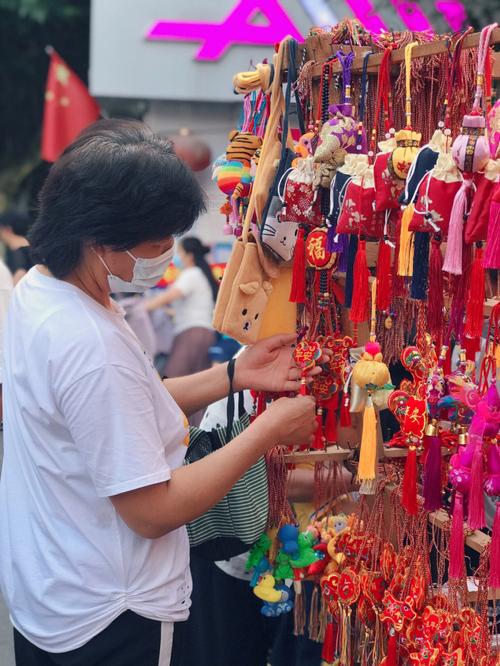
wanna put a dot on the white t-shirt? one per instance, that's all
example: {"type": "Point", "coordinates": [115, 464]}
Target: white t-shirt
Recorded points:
{"type": "Point", "coordinates": [86, 417]}
{"type": "Point", "coordinates": [196, 307]}
{"type": "Point", "coordinates": [6, 287]}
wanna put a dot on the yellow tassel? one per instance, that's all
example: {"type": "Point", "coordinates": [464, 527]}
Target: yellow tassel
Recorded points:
{"type": "Point", "coordinates": [368, 454]}
{"type": "Point", "coordinates": [406, 244]}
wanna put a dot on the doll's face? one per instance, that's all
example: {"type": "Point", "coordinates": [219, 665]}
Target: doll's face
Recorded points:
{"type": "Point", "coordinates": [252, 304]}
{"type": "Point", "coordinates": [435, 388]}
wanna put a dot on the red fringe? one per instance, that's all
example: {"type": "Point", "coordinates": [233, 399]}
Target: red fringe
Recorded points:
{"type": "Point", "coordinates": [475, 297]}
{"type": "Point", "coordinates": [409, 498]}
{"type": "Point", "coordinates": [345, 414]}
{"type": "Point", "coordinates": [392, 651]}
{"type": "Point", "coordinates": [328, 653]}
{"type": "Point", "coordinates": [359, 307]}
{"type": "Point", "coordinates": [331, 420]}
{"type": "Point", "coordinates": [298, 288]}
{"type": "Point", "coordinates": [435, 294]}
{"type": "Point", "coordinates": [384, 276]}
{"type": "Point", "coordinates": [319, 438]}
{"type": "Point", "coordinates": [456, 568]}
{"type": "Point", "coordinates": [495, 552]}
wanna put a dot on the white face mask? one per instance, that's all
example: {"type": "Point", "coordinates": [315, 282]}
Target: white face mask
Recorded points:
{"type": "Point", "coordinates": [147, 273]}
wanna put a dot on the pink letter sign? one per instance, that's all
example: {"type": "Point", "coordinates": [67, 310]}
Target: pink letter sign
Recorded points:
{"type": "Point", "coordinates": [237, 28]}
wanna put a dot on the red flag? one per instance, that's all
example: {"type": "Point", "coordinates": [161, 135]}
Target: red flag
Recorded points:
{"type": "Point", "coordinates": [69, 108]}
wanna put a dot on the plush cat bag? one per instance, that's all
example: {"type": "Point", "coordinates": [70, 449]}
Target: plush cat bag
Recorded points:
{"type": "Point", "coordinates": [248, 298]}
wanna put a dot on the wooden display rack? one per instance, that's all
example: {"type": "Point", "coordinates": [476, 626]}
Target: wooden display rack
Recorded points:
{"type": "Point", "coordinates": [319, 47]}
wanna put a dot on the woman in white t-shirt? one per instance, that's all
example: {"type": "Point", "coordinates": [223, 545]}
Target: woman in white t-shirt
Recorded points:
{"type": "Point", "coordinates": [93, 496]}
{"type": "Point", "coordinates": [192, 298]}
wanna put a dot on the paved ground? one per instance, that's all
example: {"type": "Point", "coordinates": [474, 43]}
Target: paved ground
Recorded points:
{"type": "Point", "coordinates": [6, 651]}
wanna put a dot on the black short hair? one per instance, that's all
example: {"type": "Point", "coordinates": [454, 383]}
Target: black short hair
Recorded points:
{"type": "Point", "coordinates": [16, 220]}
{"type": "Point", "coordinates": [116, 185]}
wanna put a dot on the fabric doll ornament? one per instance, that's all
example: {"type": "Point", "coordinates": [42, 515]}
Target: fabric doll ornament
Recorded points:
{"type": "Point", "coordinates": [476, 228]}
{"type": "Point", "coordinates": [471, 153]}
{"type": "Point", "coordinates": [424, 162]}
{"type": "Point", "coordinates": [434, 197]}
{"type": "Point", "coordinates": [370, 373]}
{"type": "Point", "coordinates": [357, 215]}
{"type": "Point", "coordinates": [301, 204]}
{"type": "Point", "coordinates": [492, 252]}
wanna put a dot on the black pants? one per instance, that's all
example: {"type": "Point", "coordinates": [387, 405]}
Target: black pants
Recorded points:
{"type": "Point", "coordinates": [131, 640]}
{"type": "Point", "coordinates": [226, 627]}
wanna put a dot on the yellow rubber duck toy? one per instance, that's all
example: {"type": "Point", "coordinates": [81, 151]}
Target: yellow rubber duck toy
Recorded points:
{"type": "Point", "coordinates": [265, 590]}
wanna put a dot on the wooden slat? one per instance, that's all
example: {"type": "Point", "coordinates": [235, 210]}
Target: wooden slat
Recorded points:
{"type": "Point", "coordinates": [322, 43]}
{"type": "Point", "coordinates": [399, 452]}
{"type": "Point", "coordinates": [477, 540]}
{"type": "Point", "coordinates": [335, 453]}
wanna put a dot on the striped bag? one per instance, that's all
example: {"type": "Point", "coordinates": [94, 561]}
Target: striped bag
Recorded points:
{"type": "Point", "coordinates": [238, 520]}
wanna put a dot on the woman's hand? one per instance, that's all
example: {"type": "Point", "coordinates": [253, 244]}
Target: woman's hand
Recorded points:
{"type": "Point", "coordinates": [288, 421]}
{"type": "Point", "coordinates": [268, 366]}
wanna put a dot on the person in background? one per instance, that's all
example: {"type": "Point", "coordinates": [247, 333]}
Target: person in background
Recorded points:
{"type": "Point", "coordinates": [14, 226]}
{"type": "Point", "coordinates": [192, 298]}
{"type": "Point", "coordinates": [6, 286]}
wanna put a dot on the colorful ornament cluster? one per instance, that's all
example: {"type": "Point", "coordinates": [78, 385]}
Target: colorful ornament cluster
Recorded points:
{"type": "Point", "coordinates": [408, 166]}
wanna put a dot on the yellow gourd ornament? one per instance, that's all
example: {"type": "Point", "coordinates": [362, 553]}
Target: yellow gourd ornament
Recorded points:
{"type": "Point", "coordinates": [370, 373]}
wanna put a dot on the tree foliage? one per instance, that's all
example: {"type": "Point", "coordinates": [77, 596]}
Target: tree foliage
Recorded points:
{"type": "Point", "coordinates": [26, 28]}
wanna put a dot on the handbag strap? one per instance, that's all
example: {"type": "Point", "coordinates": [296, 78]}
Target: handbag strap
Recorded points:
{"type": "Point", "coordinates": [277, 104]}
{"type": "Point", "coordinates": [230, 401]}
{"type": "Point", "coordinates": [292, 76]}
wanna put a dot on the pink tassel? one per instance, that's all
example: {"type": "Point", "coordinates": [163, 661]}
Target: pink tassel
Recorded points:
{"type": "Point", "coordinates": [495, 552]}
{"type": "Point", "coordinates": [456, 568]}
{"type": "Point", "coordinates": [453, 258]}
{"type": "Point", "coordinates": [476, 518]}
{"type": "Point", "coordinates": [492, 252]}
{"type": "Point", "coordinates": [432, 473]}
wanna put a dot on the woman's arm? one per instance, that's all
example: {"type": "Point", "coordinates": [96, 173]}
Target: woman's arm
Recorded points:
{"type": "Point", "coordinates": [165, 298]}
{"type": "Point", "coordinates": [155, 510]}
{"type": "Point", "coordinates": [266, 366]}
{"type": "Point", "coordinates": [197, 391]}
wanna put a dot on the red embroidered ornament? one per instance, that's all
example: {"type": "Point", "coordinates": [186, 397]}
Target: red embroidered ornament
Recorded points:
{"type": "Point", "coordinates": [316, 253]}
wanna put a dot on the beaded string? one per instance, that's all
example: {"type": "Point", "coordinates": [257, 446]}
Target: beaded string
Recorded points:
{"type": "Point", "coordinates": [362, 101]}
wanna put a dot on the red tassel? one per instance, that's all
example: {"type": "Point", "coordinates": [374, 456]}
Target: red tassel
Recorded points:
{"type": "Point", "coordinates": [392, 649]}
{"type": "Point", "coordinates": [495, 552]}
{"type": "Point", "coordinates": [384, 276]}
{"type": "Point", "coordinates": [319, 438]}
{"type": "Point", "coordinates": [359, 307]}
{"type": "Point", "coordinates": [298, 288]}
{"type": "Point", "coordinates": [475, 297]}
{"type": "Point", "coordinates": [432, 473]}
{"type": "Point", "coordinates": [409, 498]}
{"type": "Point", "coordinates": [331, 420]}
{"type": "Point", "coordinates": [476, 518]}
{"type": "Point", "coordinates": [328, 653]}
{"type": "Point", "coordinates": [492, 254]}
{"type": "Point", "coordinates": [454, 247]}
{"type": "Point", "coordinates": [345, 414]}
{"type": "Point", "coordinates": [456, 568]}
{"type": "Point", "coordinates": [435, 294]}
